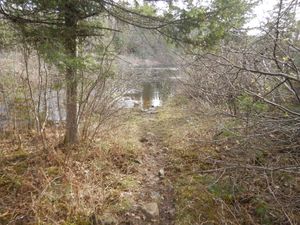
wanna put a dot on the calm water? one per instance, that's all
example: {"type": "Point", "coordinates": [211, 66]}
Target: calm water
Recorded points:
{"type": "Point", "coordinates": [152, 91]}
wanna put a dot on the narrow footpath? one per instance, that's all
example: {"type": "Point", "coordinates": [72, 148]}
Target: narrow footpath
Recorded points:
{"type": "Point", "coordinates": [156, 204]}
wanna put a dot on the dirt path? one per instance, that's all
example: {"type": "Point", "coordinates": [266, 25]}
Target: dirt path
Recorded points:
{"type": "Point", "coordinates": [156, 205]}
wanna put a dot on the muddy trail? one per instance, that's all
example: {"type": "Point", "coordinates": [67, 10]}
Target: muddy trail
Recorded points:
{"type": "Point", "coordinates": [156, 197]}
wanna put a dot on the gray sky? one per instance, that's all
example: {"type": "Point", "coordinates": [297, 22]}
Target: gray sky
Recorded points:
{"type": "Point", "coordinates": [261, 12]}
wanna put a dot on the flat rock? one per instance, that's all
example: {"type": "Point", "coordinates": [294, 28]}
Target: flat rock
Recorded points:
{"type": "Point", "coordinates": [150, 210]}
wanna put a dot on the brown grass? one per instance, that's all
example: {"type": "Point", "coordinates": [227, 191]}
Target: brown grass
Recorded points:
{"type": "Point", "coordinates": [218, 178]}
{"type": "Point", "coordinates": [68, 186]}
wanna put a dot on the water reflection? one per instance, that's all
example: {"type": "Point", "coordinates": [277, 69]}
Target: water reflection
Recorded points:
{"type": "Point", "coordinates": [151, 90]}
{"type": "Point", "coordinates": [151, 95]}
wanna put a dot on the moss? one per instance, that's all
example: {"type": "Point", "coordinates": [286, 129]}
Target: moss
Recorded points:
{"type": "Point", "coordinates": [128, 182]}
{"type": "Point", "coordinates": [223, 191]}
{"type": "Point", "coordinates": [125, 205]}
{"type": "Point", "coordinates": [228, 133]}
{"type": "Point", "coordinates": [117, 203]}
{"type": "Point", "coordinates": [19, 155]}
{"type": "Point", "coordinates": [20, 168]}
{"type": "Point", "coordinates": [260, 157]}
{"type": "Point", "coordinates": [194, 202]}
{"type": "Point", "coordinates": [247, 103]}
{"type": "Point", "coordinates": [261, 210]}
{"type": "Point", "coordinates": [53, 171]}
{"type": "Point", "coordinates": [10, 182]}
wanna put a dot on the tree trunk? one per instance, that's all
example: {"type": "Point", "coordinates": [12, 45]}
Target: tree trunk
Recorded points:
{"type": "Point", "coordinates": [70, 45]}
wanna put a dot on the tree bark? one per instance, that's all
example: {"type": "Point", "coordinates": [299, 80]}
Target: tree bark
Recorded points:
{"type": "Point", "coordinates": [70, 45]}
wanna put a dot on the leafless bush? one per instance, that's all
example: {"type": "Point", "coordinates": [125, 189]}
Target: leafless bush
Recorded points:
{"type": "Point", "coordinates": [33, 92]}
{"type": "Point", "coordinates": [255, 80]}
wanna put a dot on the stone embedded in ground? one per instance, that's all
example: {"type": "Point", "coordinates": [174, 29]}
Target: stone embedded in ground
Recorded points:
{"type": "Point", "coordinates": [108, 219]}
{"type": "Point", "coordinates": [143, 140]}
{"type": "Point", "coordinates": [171, 211]}
{"type": "Point", "coordinates": [165, 149]}
{"type": "Point", "coordinates": [150, 210]}
{"type": "Point", "coordinates": [155, 196]}
{"type": "Point", "coordinates": [161, 173]}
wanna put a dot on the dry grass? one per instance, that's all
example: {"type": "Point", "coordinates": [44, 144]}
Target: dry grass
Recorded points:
{"type": "Point", "coordinates": [59, 188]}
{"type": "Point", "coordinates": [218, 178]}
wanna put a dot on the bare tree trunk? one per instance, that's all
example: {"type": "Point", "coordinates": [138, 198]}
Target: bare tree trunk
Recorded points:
{"type": "Point", "coordinates": [58, 105]}
{"type": "Point", "coordinates": [70, 45]}
{"type": "Point", "coordinates": [33, 106]}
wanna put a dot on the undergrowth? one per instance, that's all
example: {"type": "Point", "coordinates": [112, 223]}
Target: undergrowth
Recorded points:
{"type": "Point", "coordinates": [221, 173]}
{"type": "Point", "coordinates": [70, 186]}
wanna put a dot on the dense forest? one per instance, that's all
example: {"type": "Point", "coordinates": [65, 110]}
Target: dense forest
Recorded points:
{"type": "Point", "coordinates": [163, 112]}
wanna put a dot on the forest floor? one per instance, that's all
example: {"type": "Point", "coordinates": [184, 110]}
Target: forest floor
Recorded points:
{"type": "Point", "coordinates": [163, 167]}
{"type": "Point", "coordinates": [128, 176]}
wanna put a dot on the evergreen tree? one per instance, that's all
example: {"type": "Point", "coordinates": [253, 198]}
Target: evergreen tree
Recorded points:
{"type": "Point", "coordinates": [56, 25]}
